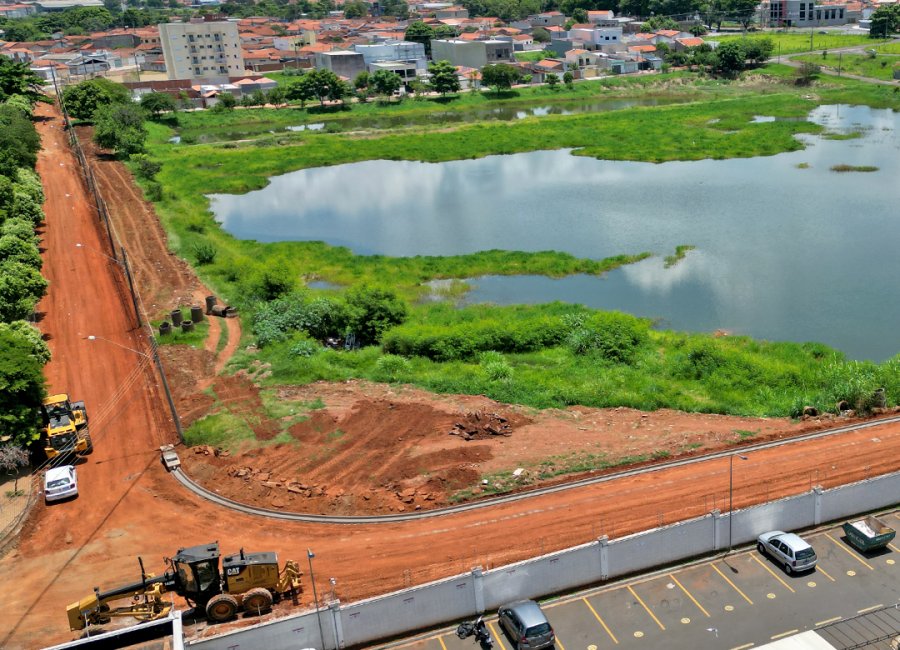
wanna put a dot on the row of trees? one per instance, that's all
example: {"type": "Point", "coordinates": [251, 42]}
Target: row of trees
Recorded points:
{"type": "Point", "coordinates": [23, 351]}
{"type": "Point", "coordinates": [729, 59]}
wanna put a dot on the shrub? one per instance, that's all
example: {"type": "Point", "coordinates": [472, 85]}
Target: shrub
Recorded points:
{"type": "Point", "coordinates": [154, 191]}
{"type": "Point", "coordinates": [698, 360]}
{"type": "Point", "coordinates": [145, 167]}
{"type": "Point", "coordinates": [614, 336]}
{"type": "Point", "coordinates": [391, 367]}
{"type": "Point", "coordinates": [272, 283]}
{"type": "Point", "coordinates": [205, 253]}
{"type": "Point", "coordinates": [371, 311]}
{"type": "Point", "coordinates": [320, 318]}
{"type": "Point", "coordinates": [495, 367]}
{"type": "Point", "coordinates": [303, 346]}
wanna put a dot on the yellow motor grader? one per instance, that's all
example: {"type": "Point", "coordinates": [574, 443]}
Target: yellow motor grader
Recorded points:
{"type": "Point", "coordinates": [65, 430]}
{"type": "Point", "coordinates": [248, 582]}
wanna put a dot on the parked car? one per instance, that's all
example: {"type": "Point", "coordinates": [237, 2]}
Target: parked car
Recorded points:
{"type": "Point", "coordinates": [60, 483]}
{"type": "Point", "coordinates": [788, 549]}
{"type": "Point", "coordinates": [526, 625]}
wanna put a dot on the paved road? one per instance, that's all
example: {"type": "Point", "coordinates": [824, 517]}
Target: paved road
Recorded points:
{"type": "Point", "coordinates": [736, 602]}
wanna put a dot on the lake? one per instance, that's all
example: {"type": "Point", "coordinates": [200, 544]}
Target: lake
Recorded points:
{"type": "Point", "coordinates": [782, 252]}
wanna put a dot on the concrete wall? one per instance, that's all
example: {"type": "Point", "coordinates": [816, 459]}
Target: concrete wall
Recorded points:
{"type": "Point", "coordinates": [463, 596]}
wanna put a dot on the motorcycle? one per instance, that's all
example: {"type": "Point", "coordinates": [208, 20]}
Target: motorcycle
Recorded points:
{"type": "Point", "coordinates": [478, 629]}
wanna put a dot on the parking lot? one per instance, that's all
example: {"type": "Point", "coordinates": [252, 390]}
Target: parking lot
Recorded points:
{"type": "Point", "coordinates": [739, 601]}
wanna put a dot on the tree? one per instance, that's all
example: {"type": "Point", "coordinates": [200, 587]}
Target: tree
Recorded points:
{"type": "Point", "coordinates": [541, 35]}
{"type": "Point", "coordinates": [552, 81]}
{"type": "Point", "coordinates": [83, 99]}
{"type": "Point", "coordinates": [18, 79]}
{"type": "Point", "coordinates": [419, 32]}
{"type": "Point", "coordinates": [19, 142]}
{"type": "Point", "coordinates": [885, 21]}
{"type": "Point", "coordinates": [580, 15]}
{"type": "Point", "coordinates": [386, 82]}
{"type": "Point", "coordinates": [499, 75]}
{"type": "Point", "coordinates": [158, 103]}
{"type": "Point", "coordinates": [757, 50]}
{"type": "Point", "coordinates": [321, 84]}
{"type": "Point", "coordinates": [226, 101]}
{"type": "Point", "coordinates": [21, 388]}
{"type": "Point", "coordinates": [744, 11]}
{"type": "Point", "coordinates": [12, 457]}
{"type": "Point", "coordinates": [21, 286]}
{"type": "Point", "coordinates": [362, 80]}
{"type": "Point", "coordinates": [730, 57]}
{"type": "Point", "coordinates": [14, 249]}
{"type": "Point", "coordinates": [659, 22]}
{"type": "Point", "coordinates": [120, 127]}
{"type": "Point", "coordinates": [371, 311]}
{"type": "Point", "coordinates": [275, 97]}
{"type": "Point", "coordinates": [568, 78]}
{"type": "Point", "coordinates": [444, 77]}
{"type": "Point", "coordinates": [356, 9]}
{"type": "Point", "coordinates": [300, 91]}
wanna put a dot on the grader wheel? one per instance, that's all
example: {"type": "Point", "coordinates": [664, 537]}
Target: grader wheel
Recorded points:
{"type": "Point", "coordinates": [258, 600]}
{"type": "Point", "coordinates": [221, 608]}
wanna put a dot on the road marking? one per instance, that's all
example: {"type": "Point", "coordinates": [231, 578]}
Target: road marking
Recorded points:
{"type": "Point", "coordinates": [824, 573]}
{"type": "Point", "coordinates": [784, 634]}
{"type": "Point", "coordinates": [893, 548]}
{"type": "Point", "coordinates": [558, 643]}
{"type": "Point", "coordinates": [811, 584]}
{"type": "Point", "coordinates": [774, 575]}
{"type": "Point", "coordinates": [869, 609]}
{"type": "Point", "coordinates": [850, 553]}
{"type": "Point", "coordinates": [496, 636]}
{"type": "Point", "coordinates": [638, 634]}
{"type": "Point", "coordinates": [441, 639]}
{"type": "Point", "coordinates": [889, 561]}
{"type": "Point", "coordinates": [771, 596]}
{"type": "Point", "coordinates": [743, 647]}
{"type": "Point", "coordinates": [652, 615]}
{"type": "Point", "coordinates": [688, 594]}
{"type": "Point", "coordinates": [829, 620]}
{"type": "Point", "coordinates": [597, 616]}
{"type": "Point", "coordinates": [724, 577]}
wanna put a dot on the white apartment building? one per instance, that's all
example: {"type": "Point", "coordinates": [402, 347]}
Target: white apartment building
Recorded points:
{"type": "Point", "coordinates": [200, 50]}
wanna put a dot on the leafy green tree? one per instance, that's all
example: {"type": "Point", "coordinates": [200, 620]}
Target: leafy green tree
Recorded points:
{"type": "Point", "coordinates": [385, 82]}
{"type": "Point", "coordinates": [33, 335]}
{"type": "Point", "coordinates": [541, 35]}
{"type": "Point", "coordinates": [18, 79]}
{"type": "Point", "coordinates": [730, 57]}
{"type": "Point", "coordinates": [300, 91]}
{"type": "Point", "coordinates": [158, 103]}
{"type": "Point", "coordinates": [83, 99]}
{"type": "Point", "coordinates": [21, 286]}
{"type": "Point", "coordinates": [885, 21]}
{"type": "Point", "coordinates": [21, 387]}
{"type": "Point", "coordinates": [13, 249]}
{"type": "Point", "coordinates": [757, 50]}
{"type": "Point", "coordinates": [568, 78]}
{"type": "Point", "coordinates": [444, 77]}
{"type": "Point", "coordinates": [552, 81]}
{"type": "Point", "coordinates": [579, 15]}
{"type": "Point", "coordinates": [226, 101]}
{"type": "Point", "coordinates": [19, 141]}
{"type": "Point", "coordinates": [320, 84]}
{"type": "Point", "coordinates": [120, 127]}
{"type": "Point", "coordinates": [499, 75]}
{"type": "Point", "coordinates": [356, 9]}
{"type": "Point", "coordinates": [362, 80]}
{"type": "Point", "coordinates": [372, 311]}
{"type": "Point", "coordinates": [743, 11]}
{"type": "Point", "coordinates": [19, 228]}
{"type": "Point", "coordinates": [419, 32]}
{"type": "Point", "coordinates": [657, 23]}
{"type": "Point", "coordinates": [145, 167]}
{"type": "Point", "coordinates": [276, 96]}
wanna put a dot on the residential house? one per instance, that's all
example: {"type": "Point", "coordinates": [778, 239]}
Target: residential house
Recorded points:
{"type": "Point", "coordinates": [548, 19]}
{"type": "Point", "coordinates": [681, 44]}
{"type": "Point", "coordinates": [594, 38]}
{"type": "Point", "coordinates": [472, 54]}
{"type": "Point", "coordinates": [455, 11]}
{"type": "Point", "coordinates": [343, 63]}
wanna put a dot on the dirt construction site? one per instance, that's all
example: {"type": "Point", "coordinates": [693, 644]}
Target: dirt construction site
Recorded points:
{"type": "Point", "coordinates": [359, 448]}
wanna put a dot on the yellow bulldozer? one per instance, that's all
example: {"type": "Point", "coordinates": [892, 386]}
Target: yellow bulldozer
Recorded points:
{"type": "Point", "coordinates": [65, 430]}
{"type": "Point", "coordinates": [249, 582]}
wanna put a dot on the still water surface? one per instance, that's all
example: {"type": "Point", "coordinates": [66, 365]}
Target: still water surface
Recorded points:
{"type": "Point", "coordinates": [782, 253]}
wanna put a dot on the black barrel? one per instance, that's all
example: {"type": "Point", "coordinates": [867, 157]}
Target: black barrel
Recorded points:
{"type": "Point", "coordinates": [165, 328]}
{"type": "Point", "coordinates": [176, 317]}
{"type": "Point", "coordinates": [187, 326]}
{"type": "Point", "coordinates": [196, 313]}
{"type": "Point", "coordinates": [210, 303]}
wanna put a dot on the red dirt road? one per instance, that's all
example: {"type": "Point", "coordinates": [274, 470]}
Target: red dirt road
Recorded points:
{"type": "Point", "coordinates": [129, 506]}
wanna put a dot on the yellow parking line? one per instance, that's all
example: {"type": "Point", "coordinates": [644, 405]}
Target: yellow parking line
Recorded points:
{"type": "Point", "coordinates": [850, 553]}
{"type": "Point", "coordinates": [869, 609]}
{"type": "Point", "coordinates": [784, 634]}
{"type": "Point", "coordinates": [688, 594]}
{"type": "Point", "coordinates": [597, 616]}
{"type": "Point", "coordinates": [441, 639]}
{"type": "Point", "coordinates": [894, 548]}
{"type": "Point", "coordinates": [819, 569]}
{"type": "Point", "coordinates": [774, 575]}
{"type": "Point", "coordinates": [559, 643]}
{"type": "Point", "coordinates": [744, 647]}
{"type": "Point", "coordinates": [497, 636]}
{"type": "Point", "coordinates": [724, 577]}
{"type": "Point", "coordinates": [652, 615]}
{"type": "Point", "coordinates": [830, 620]}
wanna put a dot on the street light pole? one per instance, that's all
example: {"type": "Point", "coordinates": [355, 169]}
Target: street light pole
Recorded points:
{"type": "Point", "coordinates": [309, 556]}
{"type": "Point", "coordinates": [731, 494]}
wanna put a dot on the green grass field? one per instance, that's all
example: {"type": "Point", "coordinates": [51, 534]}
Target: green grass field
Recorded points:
{"type": "Point", "coordinates": [804, 41]}
{"type": "Point", "coordinates": [880, 67]}
{"type": "Point", "coordinates": [690, 372]}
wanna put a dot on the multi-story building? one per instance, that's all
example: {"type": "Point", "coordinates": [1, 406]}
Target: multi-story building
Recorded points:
{"type": "Point", "coordinates": [472, 54]}
{"type": "Point", "coordinates": [803, 13]}
{"type": "Point", "coordinates": [202, 50]}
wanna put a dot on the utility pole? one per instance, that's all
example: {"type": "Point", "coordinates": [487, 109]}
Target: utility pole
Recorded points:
{"type": "Point", "coordinates": [840, 57]}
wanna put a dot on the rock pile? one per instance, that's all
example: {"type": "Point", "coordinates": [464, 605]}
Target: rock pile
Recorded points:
{"type": "Point", "coordinates": [478, 426]}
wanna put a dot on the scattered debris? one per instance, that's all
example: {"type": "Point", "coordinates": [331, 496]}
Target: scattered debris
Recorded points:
{"type": "Point", "coordinates": [478, 426]}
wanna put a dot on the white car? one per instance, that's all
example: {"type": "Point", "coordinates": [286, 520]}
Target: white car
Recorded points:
{"type": "Point", "coordinates": [60, 483]}
{"type": "Point", "coordinates": [788, 549]}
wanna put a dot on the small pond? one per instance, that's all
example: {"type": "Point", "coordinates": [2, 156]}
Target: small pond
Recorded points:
{"type": "Point", "coordinates": [785, 248]}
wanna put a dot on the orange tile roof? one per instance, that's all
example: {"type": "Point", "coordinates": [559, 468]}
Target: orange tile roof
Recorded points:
{"type": "Point", "coordinates": [642, 48]}
{"type": "Point", "coordinates": [690, 42]}
{"type": "Point", "coordinates": [668, 32]}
